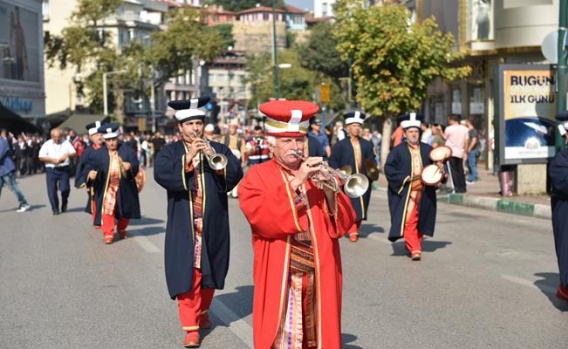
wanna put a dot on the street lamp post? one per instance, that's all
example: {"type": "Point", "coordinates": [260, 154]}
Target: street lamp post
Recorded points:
{"type": "Point", "coordinates": [105, 97]}
{"type": "Point", "coordinates": [275, 53]}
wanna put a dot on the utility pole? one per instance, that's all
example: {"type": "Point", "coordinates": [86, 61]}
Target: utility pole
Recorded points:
{"type": "Point", "coordinates": [275, 53]}
{"type": "Point", "coordinates": [561, 70]}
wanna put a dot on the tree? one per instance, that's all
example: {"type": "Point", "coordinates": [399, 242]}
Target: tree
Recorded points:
{"type": "Point", "coordinates": [394, 61]}
{"type": "Point", "coordinates": [320, 54]}
{"type": "Point", "coordinates": [295, 82]}
{"type": "Point", "coordinates": [185, 41]}
{"type": "Point", "coordinates": [89, 49]}
{"type": "Point", "coordinates": [85, 47]}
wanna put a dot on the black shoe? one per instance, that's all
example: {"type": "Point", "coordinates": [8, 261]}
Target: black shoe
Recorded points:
{"type": "Point", "coordinates": [55, 212]}
{"type": "Point", "coordinates": [64, 208]}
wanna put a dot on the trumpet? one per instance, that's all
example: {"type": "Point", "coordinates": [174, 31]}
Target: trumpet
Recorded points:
{"type": "Point", "coordinates": [354, 185]}
{"type": "Point", "coordinates": [216, 161]}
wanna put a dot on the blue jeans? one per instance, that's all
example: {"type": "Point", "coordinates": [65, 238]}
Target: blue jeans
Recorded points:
{"type": "Point", "coordinates": [10, 180]}
{"type": "Point", "coordinates": [472, 166]}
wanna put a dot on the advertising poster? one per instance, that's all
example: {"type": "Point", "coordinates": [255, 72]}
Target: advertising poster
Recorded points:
{"type": "Point", "coordinates": [19, 43]}
{"type": "Point", "coordinates": [527, 111]}
{"type": "Point", "coordinates": [482, 20]}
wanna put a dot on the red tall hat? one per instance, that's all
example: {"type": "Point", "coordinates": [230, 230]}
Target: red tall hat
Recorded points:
{"type": "Point", "coordinates": [288, 118]}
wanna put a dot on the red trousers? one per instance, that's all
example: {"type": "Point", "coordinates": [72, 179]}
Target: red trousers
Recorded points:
{"type": "Point", "coordinates": [94, 209]}
{"type": "Point", "coordinates": [412, 237]}
{"type": "Point", "coordinates": [354, 228]}
{"type": "Point", "coordinates": [194, 305]}
{"type": "Point", "coordinates": [108, 224]}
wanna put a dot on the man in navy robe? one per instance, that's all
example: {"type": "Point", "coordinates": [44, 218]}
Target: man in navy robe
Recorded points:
{"type": "Point", "coordinates": [85, 164]}
{"type": "Point", "coordinates": [197, 231]}
{"type": "Point", "coordinates": [412, 204]}
{"type": "Point", "coordinates": [112, 174]}
{"type": "Point", "coordinates": [558, 175]}
{"type": "Point", "coordinates": [356, 153]}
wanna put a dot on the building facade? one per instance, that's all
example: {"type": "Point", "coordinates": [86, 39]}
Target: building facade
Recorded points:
{"type": "Point", "coordinates": [21, 56]}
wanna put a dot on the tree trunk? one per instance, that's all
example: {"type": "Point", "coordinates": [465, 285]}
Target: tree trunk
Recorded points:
{"type": "Point", "coordinates": [119, 106]}
{"type": "Point", "coordinates": [386, 142]}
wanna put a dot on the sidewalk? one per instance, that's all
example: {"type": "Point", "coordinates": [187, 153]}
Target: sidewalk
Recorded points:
{"type": "Point", "coordinates": [485, 194]}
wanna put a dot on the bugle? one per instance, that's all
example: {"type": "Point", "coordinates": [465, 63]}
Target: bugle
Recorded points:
{"type": "Point", "coordinates": [216, 161]}
{"type": "Point", "coordinates": [354, 185]}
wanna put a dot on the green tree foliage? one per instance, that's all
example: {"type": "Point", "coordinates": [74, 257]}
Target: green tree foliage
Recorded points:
{"type": "Point", "coordinates": [175, 50]}
{"type": "Point", "coordinates": [393, 61]}
{"type": "Point", "coordinates": [89, 50]}
{"type": "Point", "coordinates": [320, 53]}
{"type": "Point", "coordinates": [84, 47]}
{"type": "Point", "coordinates": [226, 32]}
{"type": "Point", "coordinates": [295, 82]}
{"type": "Point", "coordinates": [239, 5]}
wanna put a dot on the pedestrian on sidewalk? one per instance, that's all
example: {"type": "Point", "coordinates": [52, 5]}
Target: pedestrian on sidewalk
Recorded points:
{"type": "Point", "coordinates": [456, 136]}
{"type": "Point", "coordinates": [8, 172]}
{"type": "Point", "coordinates": [412, 204]}
{"type": "Point", "coordinates": [197, 231]}
{"type": "Point", "coordinates": [558, 175]}
{"type": "Point", "coordinates": [57, 153]}
{"type": "Point", "coordinates": [472, 151]}
{"type": "Point", "coordinates": [296, 224]}
{"type": "Point", "coordinates": [112, 174]}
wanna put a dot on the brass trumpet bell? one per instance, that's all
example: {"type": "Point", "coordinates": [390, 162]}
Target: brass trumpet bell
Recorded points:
{"type": "Point", "coordinates": [356, 185]}
{"type": "Point", "coordinates": [217, 161]}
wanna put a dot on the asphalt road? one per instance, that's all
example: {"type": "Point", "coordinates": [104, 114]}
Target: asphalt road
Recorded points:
{"type": "Point", "coordinates": [486, 280]}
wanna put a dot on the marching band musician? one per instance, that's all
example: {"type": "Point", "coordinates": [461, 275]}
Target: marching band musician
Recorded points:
{"type": "Point", "coordinates": [558, 175]}
{"type": "Point", "coordinates": [197, 231]}
{"type": "Point", "coordinates": [97, 142]}
{"type": "Point", "coordinates": [412, 205]}
{"type": "Point", "coordinates": [296, 224]}
{"type": "Point", "coordinates": [112, 173]}
{"type": "Point", "coordinates": [356, 153]}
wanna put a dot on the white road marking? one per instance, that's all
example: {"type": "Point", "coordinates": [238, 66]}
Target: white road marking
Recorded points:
{"type": "Point", "coordinates": [146, 244]}
{"type": "Point", "coordinates": [236, 325]}
{"type": "Point", "coordinates": [528, 283]}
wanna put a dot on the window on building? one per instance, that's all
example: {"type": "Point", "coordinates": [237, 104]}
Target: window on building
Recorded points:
{"type": "Point", "coordinates": [324, 9]}
{"type": "Point", "coordinates": [265, 16]}
{"type": "Point", "coordinates": [45, 10]}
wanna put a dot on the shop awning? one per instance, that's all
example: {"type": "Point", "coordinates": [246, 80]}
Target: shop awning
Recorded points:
{"type": "Point", "coordinates": [15, 123]}
{"type": "Point", "coordinates": [78, 122]}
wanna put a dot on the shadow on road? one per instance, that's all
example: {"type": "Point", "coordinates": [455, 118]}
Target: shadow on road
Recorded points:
{"type": "Point", "coordinates": [145, 221]}
{"type": "Point", "coordinates": [548, 285]}
{"type": "Point", "coordinates": [148, 231]}
{"type": "Point", "coordinates": [348, 338]}
{"type": "Point", "coordinates": [366, 229]}
{"type": "Point", "coordinates": [239, 302]}
{"type": "Point", "coordinates": [399, 249]}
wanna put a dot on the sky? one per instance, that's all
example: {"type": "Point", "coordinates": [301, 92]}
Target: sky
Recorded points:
{"type": "Point", "coordinates": [301, 4]}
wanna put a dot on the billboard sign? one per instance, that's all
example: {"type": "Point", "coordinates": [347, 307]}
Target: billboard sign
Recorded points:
{"type": "Point", "coordinates": [19, 43]}
{"type": "Point", "coordinates": [527, 108]}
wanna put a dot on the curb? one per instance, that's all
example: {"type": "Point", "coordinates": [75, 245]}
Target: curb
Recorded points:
{"type": "Point", "coordinates": [499, 205]}
{"type": "Point", "coordinates": [494, 204]}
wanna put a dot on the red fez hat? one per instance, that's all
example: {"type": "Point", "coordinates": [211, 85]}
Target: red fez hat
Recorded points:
{"type": "Point", "coordinates": [288, 118]}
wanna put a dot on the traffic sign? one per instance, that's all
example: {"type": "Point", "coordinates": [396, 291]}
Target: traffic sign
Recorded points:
{"type": "Point", "coordinates": [324, 93]}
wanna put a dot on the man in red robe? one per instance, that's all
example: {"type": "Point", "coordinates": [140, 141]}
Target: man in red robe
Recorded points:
{"type": "Point", "coordinates": [297, 215]}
